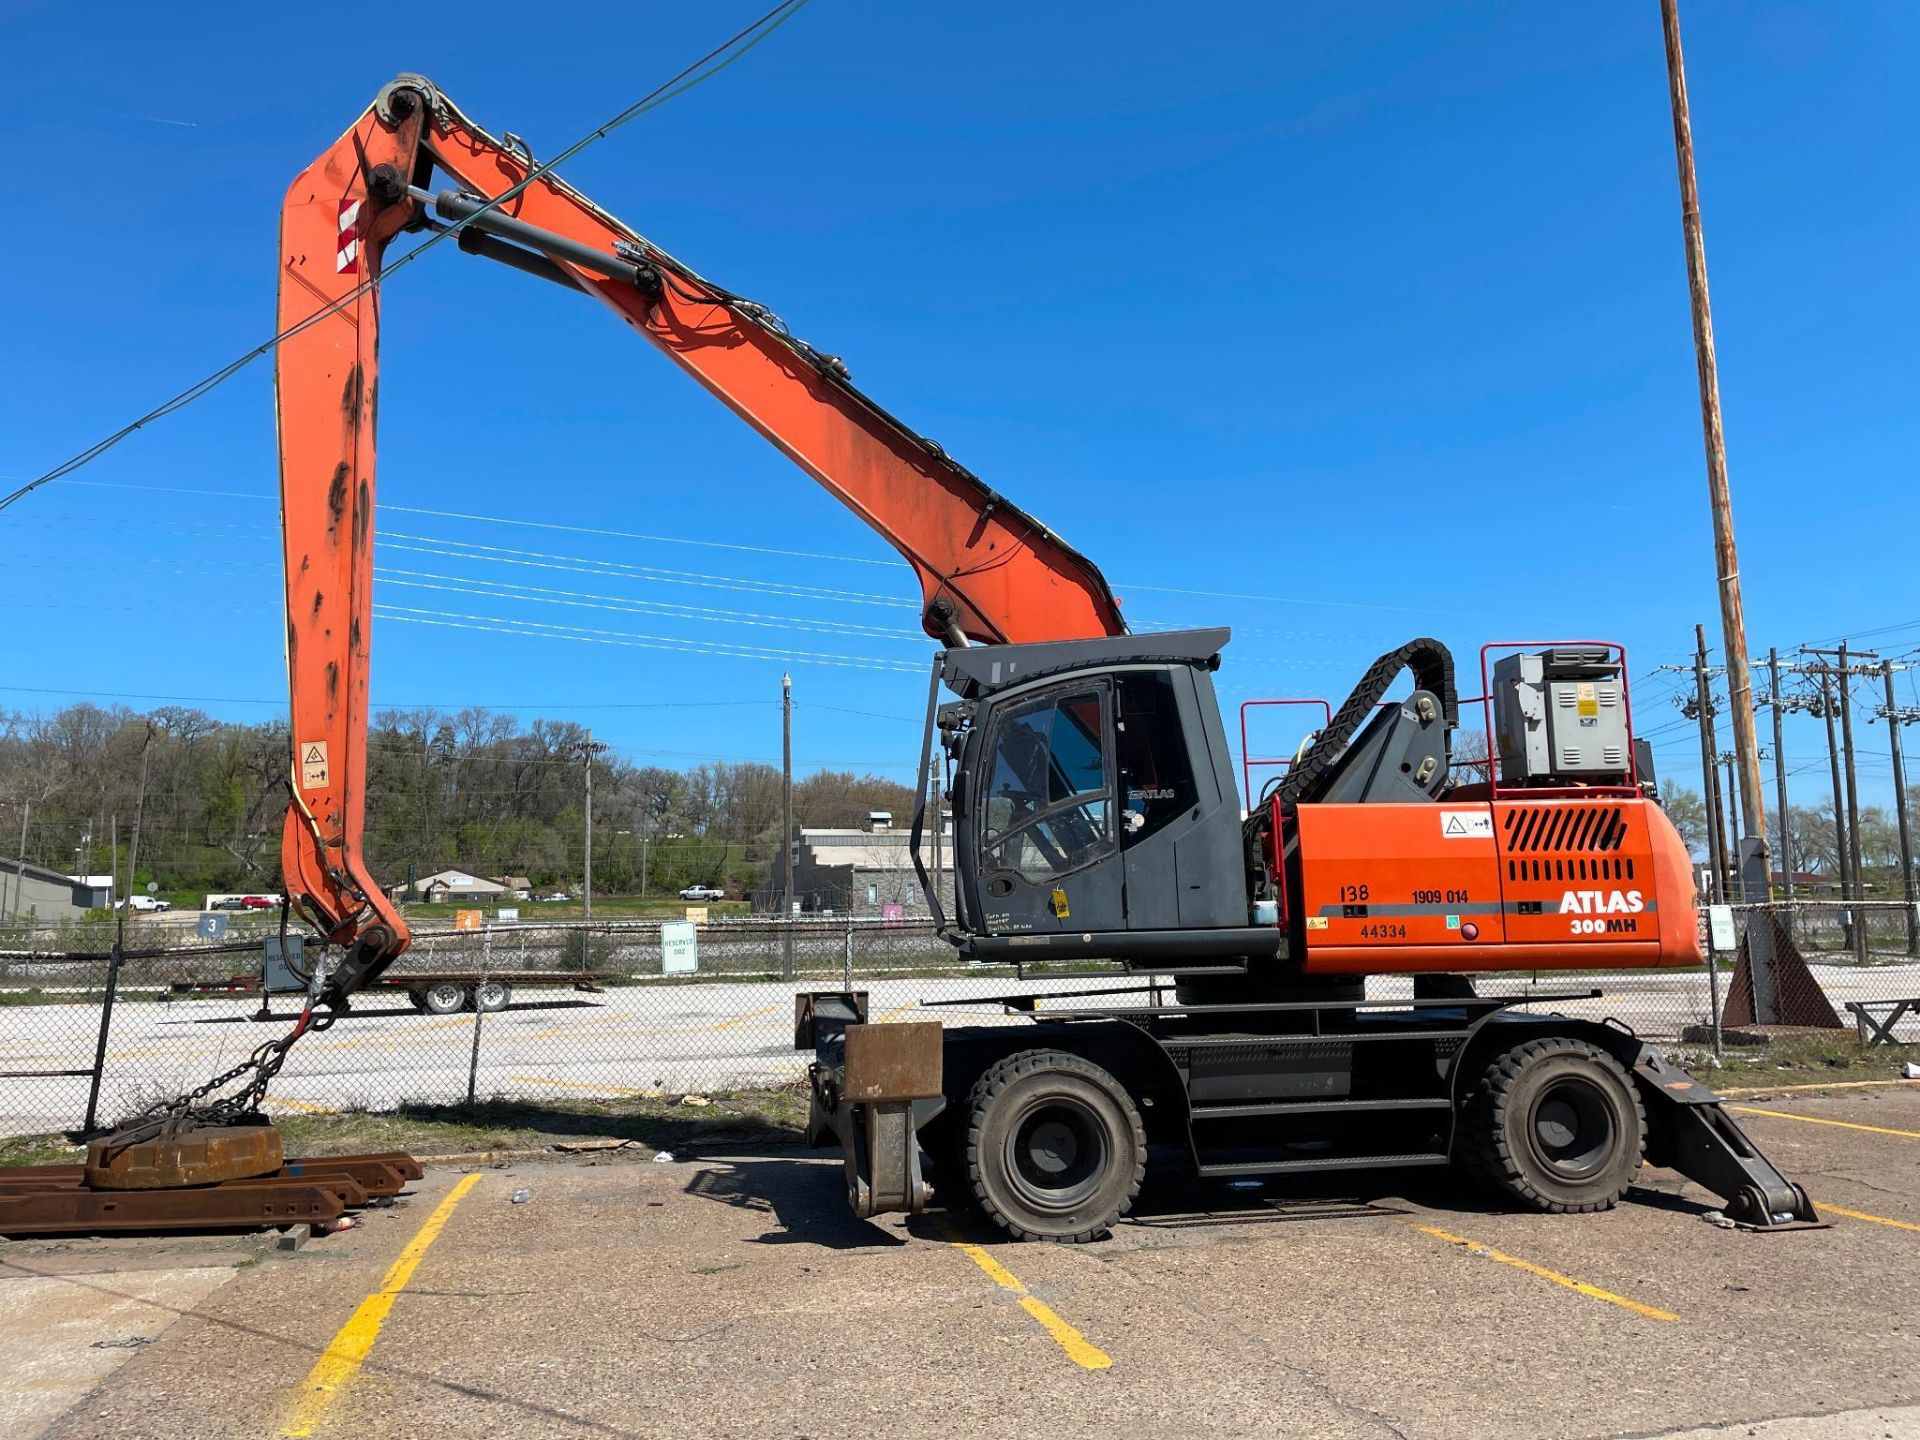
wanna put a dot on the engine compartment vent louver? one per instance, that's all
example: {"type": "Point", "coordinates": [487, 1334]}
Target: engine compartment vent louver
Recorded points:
{"type": "Point", "coordinates": [1564, 829]}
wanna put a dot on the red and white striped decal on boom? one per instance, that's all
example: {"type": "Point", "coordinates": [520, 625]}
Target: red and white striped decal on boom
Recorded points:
{"type": "Point", "coordinates": [346, 256]}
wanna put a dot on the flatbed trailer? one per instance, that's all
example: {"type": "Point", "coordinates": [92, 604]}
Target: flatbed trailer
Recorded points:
{"type": "Point", "coordinates": [435, 992]}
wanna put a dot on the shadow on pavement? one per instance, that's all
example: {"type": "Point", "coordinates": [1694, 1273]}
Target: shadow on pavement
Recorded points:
{"type": "Point", "coordinates": [805, 1200]}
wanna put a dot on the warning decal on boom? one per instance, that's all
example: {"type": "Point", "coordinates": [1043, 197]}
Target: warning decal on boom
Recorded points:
{"type": "Point", "coordinates": [313, 765]}
{"type": "Point", "coordinates": [1466, 825]}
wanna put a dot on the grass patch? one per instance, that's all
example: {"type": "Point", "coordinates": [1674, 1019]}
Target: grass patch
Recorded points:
{"type": "Point", "coordinates": [777, 1114]}
{"type": "Point", "coordinates": [34, 995]}
{"type": "Point", "coordinates": [38, 1150]}
{"type": "Point", "coordinates": [1834, 1056]}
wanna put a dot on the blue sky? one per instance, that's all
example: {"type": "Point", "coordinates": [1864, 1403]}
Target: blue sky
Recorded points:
{"type": "Point", "coordinates": [1332, 324]}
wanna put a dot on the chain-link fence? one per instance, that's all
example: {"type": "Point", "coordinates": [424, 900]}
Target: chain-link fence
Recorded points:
{"type": "Point", "coordinates": [583, 1010]}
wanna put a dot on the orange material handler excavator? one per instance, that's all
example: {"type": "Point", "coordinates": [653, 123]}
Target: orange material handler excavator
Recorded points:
{"type": "Point", "coordinates": [1095, 812]}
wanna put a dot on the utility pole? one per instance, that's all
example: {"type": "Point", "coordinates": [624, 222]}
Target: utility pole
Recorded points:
{"type": "Point", "coordinates": [1896, 717]}
{"type": "Point", "coordinates": [1853, 805]}
{"type": "Point", "coordinates": [588, 749]}
{"type": "Point", "coordinates": [1723, 868]}
{"type": "Point", "coordinates": [1710, 775]}
{"type": "Point", "coordinates": [1733, 620]}
{"type": "Point", "coordinates": [1739, 880]}
{"type": "Point", "coordinates": [1844, 673]}
{"type": "Point", "coordinates": [20, 861]}
{"type": "Point", "coordinates": [1833, 767]}
{"type": "Point", "coordinates": [786, 823]}
{"type": "Point", "coordinates": [113, 864]}
{"type": "Point", "coordinates": [1780, 776]}
{"type": "Point", "coordinates": [139, 807]}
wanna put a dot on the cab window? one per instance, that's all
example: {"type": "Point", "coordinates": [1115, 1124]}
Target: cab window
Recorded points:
{"type": "Point", "coordinates": [1150, 749]}
{"type": "Point", "coordinates": [1046, 809]}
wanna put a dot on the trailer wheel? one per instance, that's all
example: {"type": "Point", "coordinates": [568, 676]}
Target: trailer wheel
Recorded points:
{"type": "Point", "coordinates": [1557, 1124]}
{"type": "Point", "coordinates": [492, 995]}
{"type": "Point", "coordinates": [444, 998]}
{"type": "Point", "coordinates": [1054, 1147]}
{"type": "Point", "coordinates": [417, 997]}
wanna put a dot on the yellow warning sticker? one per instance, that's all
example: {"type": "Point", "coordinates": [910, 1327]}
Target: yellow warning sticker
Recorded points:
{"type": "Point", "coordinates": [1316, 922]}
{"type": "Point", "coordinates": [1585, 702]}
{"type": "Point", "coordinates": [1060, 910]}
{"type": "Point", "coordinates": [313, 765]}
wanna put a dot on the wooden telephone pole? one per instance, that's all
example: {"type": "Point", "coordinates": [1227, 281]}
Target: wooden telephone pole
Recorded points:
{"type": "Point", "coordinates": [1746, 745]}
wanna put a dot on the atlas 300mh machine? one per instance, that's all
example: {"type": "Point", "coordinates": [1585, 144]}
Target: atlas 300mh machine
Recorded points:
{"type": "Point", "coordinates": [1095, 814]}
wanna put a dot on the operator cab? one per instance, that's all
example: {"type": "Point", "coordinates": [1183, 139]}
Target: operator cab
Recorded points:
{"type": "Point", "coordinates": [1095, 814]}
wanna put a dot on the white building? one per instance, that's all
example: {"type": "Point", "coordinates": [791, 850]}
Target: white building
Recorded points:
{"type": "Point", "coordinates": [452, 886]}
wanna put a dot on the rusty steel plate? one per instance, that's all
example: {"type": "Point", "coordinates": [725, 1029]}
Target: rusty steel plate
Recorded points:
{"type": "Point", "coordinates": [198, 1155]}
{"type": "Point", "coordinates": [892, 1062]}
{"type": "Point", "coordinates": [240, 1204]}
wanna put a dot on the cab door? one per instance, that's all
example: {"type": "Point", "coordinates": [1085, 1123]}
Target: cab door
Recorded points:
{"type": "Point", "coordinates": [1045, 815]}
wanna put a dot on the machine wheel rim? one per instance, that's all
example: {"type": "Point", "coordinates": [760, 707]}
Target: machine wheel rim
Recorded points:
{"type": "Point", "coordinates": [491, 996]}
{"type": "Point", "coordinates": [1572, 1129]}
{"type": "Point", "coordinates": [1057, 1153]}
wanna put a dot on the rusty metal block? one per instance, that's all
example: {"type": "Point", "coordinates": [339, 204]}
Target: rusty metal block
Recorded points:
{"type": "Point", "coordinates": [197, 1155]}
{"type": "Point", "coordinates": [892, 1062]}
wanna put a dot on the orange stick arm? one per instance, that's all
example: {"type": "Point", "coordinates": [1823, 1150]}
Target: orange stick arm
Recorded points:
{"type": "Point", "coordinates": [988, 571]}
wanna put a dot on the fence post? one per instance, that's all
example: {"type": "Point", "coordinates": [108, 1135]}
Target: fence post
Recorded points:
{"type": "Point", "coordinates": [479, 1007]}
{"type": "Point", "coordinates": [100, 1044]}
{"type": "Point", "coordinates": [847, 965]}
{"type": "Point", "coordinates": [1713, 990]}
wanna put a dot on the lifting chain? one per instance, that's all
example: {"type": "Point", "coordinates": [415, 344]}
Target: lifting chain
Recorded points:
{"type": "Point", "coordinates": [242, 1106]}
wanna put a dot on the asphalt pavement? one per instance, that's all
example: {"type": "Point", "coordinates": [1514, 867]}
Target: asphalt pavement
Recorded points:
{"type": "Point", "coordinates": [731, 1294]}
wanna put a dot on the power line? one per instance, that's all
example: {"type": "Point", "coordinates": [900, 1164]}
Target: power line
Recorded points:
{"type": "Point", "coordinates": [637, 535]}
{"type": "Point", "coordinates": [588, 600]}
{"type": "Point", "coordinates": [626, 570]}
{"type": "Point", "coordinates": [542, 630]}
{"type": "Point", "coordinates": [612, 533]}
{"type": "Point", "coordinates": [701, 70]}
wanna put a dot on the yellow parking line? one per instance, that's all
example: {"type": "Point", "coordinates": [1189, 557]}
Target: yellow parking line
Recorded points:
{"type": "Point", "coordinates": [898, 1010]}
{"type": "Point", "coordinates": [585, 1085]}
{"type": "Point", "coordinates": [1819, 1120]}
{"type": "Point", "coordinates": [1829, 1209]}
{"type": "Point", "coordinates": [335, 1369]}
{"type": "Point", "coordinates": [1080, 1350]}
{"type": "Point", "coordinates": [742, 1019]}
{"type": "Point", "coordinates": [574, 1029]}
{"type": "Point", "coordinates": [1545, 1274]}
{"type": "Point", "coordinates": [1747, 1091]}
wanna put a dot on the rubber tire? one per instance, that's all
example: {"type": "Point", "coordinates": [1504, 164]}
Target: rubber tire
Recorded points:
{"type": "Point", "coordinates": [445, 999]}
{"type": "Point", "coordinates": [998, 1100]}
{"type": "Point", "coordinates": [417, 998]}
{"type": "Point", "coordinates": [1494, 1144]}
{"type": "Point", "coordinates": [493, 996]}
